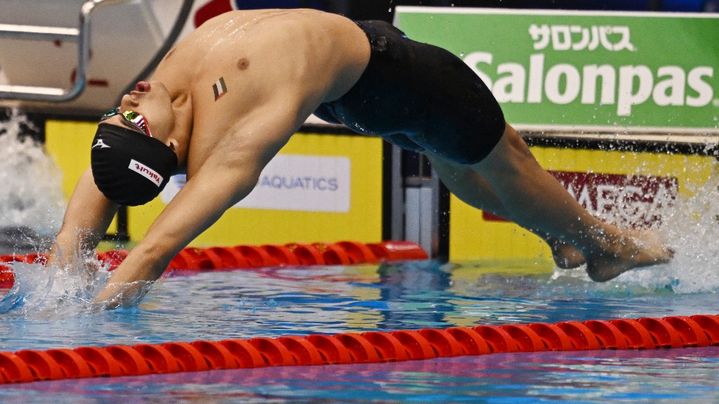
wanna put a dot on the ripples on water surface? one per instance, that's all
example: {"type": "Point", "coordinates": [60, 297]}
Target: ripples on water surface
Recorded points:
{"type": "Point", "coordinates": [279, 301]}
{"type": "Point", "coordinates": [276, 301]}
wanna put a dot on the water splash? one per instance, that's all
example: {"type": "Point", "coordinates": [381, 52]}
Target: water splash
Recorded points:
{"type": "Point", "coordinates": [46, 291]}
{"type": "Point", "coordinates": [31, 204]}
{"type": "Point", "coordinates": [692, 229]}
{"type": "Point", "coordinates": [690, 226]}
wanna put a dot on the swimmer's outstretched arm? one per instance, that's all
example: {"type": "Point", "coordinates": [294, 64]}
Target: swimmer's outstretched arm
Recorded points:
{"type": "Point", "coordinates": [86, 220]}
{"type": "Point", "coordinates": [226, 177]}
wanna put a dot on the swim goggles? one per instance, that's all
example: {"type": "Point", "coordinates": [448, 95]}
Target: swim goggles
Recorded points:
{"type": "Point", "coordinates": [132, 118]}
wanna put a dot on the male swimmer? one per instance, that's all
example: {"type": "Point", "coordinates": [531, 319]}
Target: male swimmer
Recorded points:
{"type": "Point", "coordinates": [224, 101]}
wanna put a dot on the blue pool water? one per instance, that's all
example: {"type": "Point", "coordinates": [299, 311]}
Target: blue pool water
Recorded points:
{"type": "Point", "coordinates": [281, 301]}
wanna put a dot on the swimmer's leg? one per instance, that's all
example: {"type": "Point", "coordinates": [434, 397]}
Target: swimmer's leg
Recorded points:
{"type": "Point", "coordinates": [536, 201]}
{"type": "Point", "coordinates": [467, 185]}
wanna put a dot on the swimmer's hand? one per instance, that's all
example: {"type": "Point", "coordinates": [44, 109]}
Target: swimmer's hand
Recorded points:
{"type": "Point", "coordinates": [122, 294]}
{"type": "Point", "coordinates": [129, 283]}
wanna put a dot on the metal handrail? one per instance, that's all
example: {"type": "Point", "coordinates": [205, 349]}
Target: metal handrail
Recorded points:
{"type": "Point", "coordinates": [81, 35]}
{"type": "Point", "coordinates": [38, 32]}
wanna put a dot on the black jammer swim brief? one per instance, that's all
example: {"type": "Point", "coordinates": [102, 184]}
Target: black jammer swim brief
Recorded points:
{"type": "Point", "coordinates": [419, 97]}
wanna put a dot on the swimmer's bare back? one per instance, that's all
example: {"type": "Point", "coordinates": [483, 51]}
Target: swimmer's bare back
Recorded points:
{"type": "Point", "coordinates": [242, 59]}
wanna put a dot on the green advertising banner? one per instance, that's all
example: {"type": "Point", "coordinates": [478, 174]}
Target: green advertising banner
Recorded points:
{"type": "Point", "coordinates": [599, 70]}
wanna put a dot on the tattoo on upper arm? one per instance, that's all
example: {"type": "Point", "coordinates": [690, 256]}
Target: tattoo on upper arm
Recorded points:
{"type": "Point", "coordinates": [219, 88]}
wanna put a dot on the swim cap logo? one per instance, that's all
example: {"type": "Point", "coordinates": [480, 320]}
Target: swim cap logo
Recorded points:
{"type": "Point", "coordinates": [146, 172]}
{"type": "Point", "coordinates": [101, 144]}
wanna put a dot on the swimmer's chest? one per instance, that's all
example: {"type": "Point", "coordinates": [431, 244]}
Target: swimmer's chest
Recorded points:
{"type": "Point", "coordinates": [225, 86]}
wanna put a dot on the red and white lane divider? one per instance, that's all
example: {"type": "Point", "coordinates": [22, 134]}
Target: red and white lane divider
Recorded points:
{"type": "Point", "coordinates": [369, 347]}
{"type": "Point", "coordinates": [246, 256]}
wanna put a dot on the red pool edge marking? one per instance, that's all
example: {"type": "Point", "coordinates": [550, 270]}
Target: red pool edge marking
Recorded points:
{"type": "Point", "coordinates": [348, 348]}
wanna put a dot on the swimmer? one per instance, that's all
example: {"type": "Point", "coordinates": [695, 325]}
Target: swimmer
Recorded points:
{"type": "Point", "coordinates": [224, 101]}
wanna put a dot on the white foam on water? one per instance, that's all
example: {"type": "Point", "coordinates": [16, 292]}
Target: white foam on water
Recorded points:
{"type": "Point", "coordinates": [690, 226]}
{"type": "Point", "coordinates": [692, 229]}
{"type": "Point", "coordinates": [47, 291]}
{"type": "Point", "coordinates": [31, 194]}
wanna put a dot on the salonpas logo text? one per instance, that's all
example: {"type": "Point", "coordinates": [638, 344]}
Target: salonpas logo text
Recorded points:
{"type": "Point", "coordinates": [534, 80]}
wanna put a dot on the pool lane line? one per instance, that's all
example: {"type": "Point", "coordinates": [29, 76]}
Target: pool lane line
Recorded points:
{"type": "Point", "coordinates": [351, 348]}
{"type": "Point", "coordinates": [247, 256]}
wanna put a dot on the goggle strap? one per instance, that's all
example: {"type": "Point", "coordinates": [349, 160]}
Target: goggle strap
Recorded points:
{"type": "Point", "coordinates": [110, 113]}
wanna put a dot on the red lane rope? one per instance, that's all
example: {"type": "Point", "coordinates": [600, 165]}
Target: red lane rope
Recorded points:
{"type": "Point", "coordinates": [369, 347]}
{"type": "Point", "coordinates": [245, 256]}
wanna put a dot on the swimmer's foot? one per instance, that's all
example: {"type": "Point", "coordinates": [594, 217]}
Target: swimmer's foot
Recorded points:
{"type": "Point", "coordinates": [566, 256]}
{"type": "Point", "coordinates": [626, 251]}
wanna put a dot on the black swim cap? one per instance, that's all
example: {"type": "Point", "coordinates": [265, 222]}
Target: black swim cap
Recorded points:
{"type": "Point", "coordinates": [129, 167]}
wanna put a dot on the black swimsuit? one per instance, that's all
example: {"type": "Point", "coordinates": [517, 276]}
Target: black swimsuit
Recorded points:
{"type": "Point", "coordinates": [420, 97]}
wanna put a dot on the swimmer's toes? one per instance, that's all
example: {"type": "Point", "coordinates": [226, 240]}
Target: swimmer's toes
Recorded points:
{"type": "Point", "coordinates": [660, 254]}
{"type": "Point", "coordinates": [643, 252]}
{"type": "Point", "coordinates": [667, 256]}
{"type": "Point", "coordinates": [649, 258]}
{"type": "Point", "coordinates": [647, 249]}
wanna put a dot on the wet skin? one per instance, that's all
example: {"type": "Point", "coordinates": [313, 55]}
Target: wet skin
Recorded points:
{"type": "Point", "coordinates": [232, 93]}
